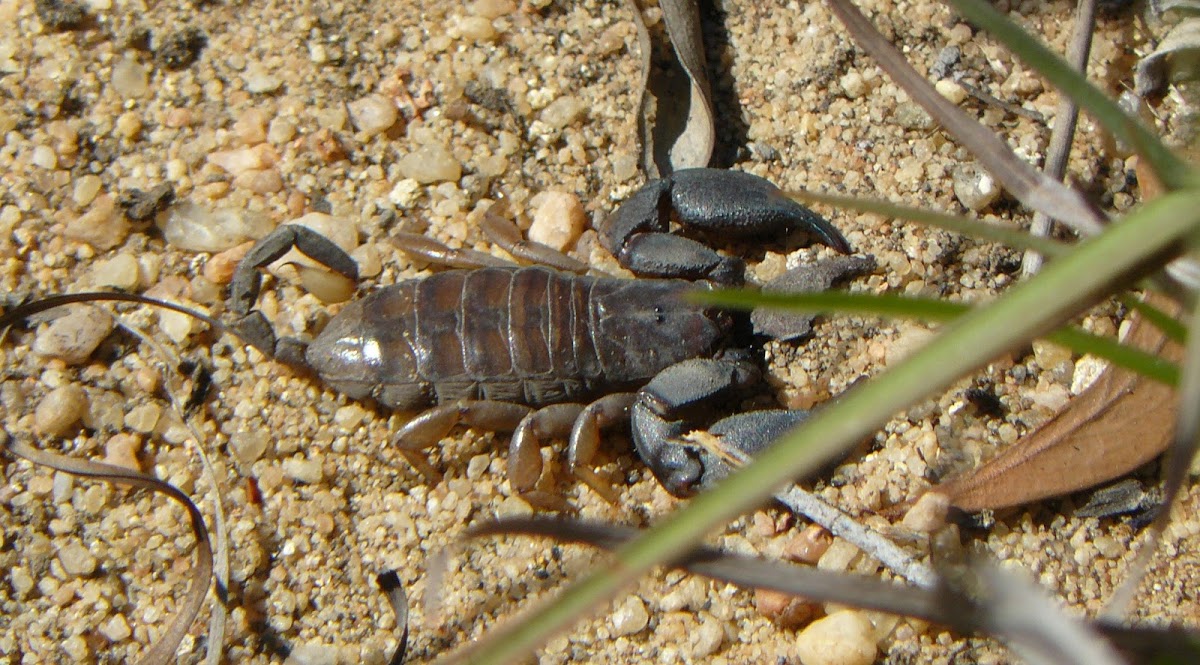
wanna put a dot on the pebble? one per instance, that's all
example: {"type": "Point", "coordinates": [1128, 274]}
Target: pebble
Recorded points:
{"type": "Point", "coordinates": [491, 9]}
{"type": "Point", "coordinates": [122, 450]}
{"type": "Point", "coordinates": [76, 560]}
{"type": "Point", "coordinates": [1050, 355]}
{"type": "Point", "coordinates": [631, 617]}
{"type": "Point", "coordinates": [314, 653]}
{"type": "Point", "coordinates": [838, 557]}
{"type": "Point", "coordinates": [558, 219]}
{"type": "Point", "coordinates": [251, 126]}
{"type": "Point", "coordinates": [951, 91]}
{"type": "Point", "coordinates": [85, 189]}
{"type": "Point", "coordinates": [373, 114]}
{"type": "Point", "coordinates": [73, 338]}
{"type": "Point", "coordinates": [785, 610]}
{"type": "Point", "coordinates": [429, 164]}
{"type": "Point", "coordinates": [928, 514]}
{"type": "Point", "coordinates": [707, 638]}
{"type": "Point", "coordinates": [220, 268]}
{"type": "Point", "coordinates": [842, 638]}
{"type": "Point", "coordinates": [130, 79]}
{"type": "Point", "coordinates": [60, 410]}
{"type": "Point", "coordinates": [1087, 370]}
{"type": "Point", "coordinates": [348, 418]}
{"type": "Point", "coordinates": [304, 470]}
{"type": "Point", "coordinates": [809, 545]}
{"type": "Point", "coordinates": [476, 28]}
{"type": "Point", "coordinates": [260, 81]}
{"type": "Point", "coordinates": [43, 157]}
{"type": "Point", "coordinates": [248, 446]}
{"type": "Point", "coordinates": [562, 112]}
{"type": "Point", "coordinates": [121, 271]}
{"type": "Point", "coordinates": [243, 160]}
{"type": "Point", "coordinates": [116, 629]}
{"type": "Point", "coordinates": [200, 229]}
{"type": "Point", "coordinates": [974, 187]}
{"type": "Point", "coordinates": [144, 417]}
{"type": "Point", "coordinates": [854, 85]}
{"type": "Point", "coordinates": [102, 226]}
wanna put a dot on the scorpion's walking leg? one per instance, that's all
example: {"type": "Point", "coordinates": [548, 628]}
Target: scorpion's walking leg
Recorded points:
{"type": "Point", "coordinates": [432, 425]}
{"type": "Point", "coordinates": [585, 438]}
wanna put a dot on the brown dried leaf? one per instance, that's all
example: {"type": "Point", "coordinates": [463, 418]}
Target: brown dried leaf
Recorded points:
{"type": "Point", "coordinates": [1119, 423]}
{"type": "Point", "coordinates": [682, 132]}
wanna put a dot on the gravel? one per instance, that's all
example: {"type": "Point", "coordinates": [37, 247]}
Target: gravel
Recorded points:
{"type": "Point", "coordinates": [318, 504]}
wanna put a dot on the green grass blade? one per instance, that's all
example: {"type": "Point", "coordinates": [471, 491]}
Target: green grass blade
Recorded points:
{"type": "Point", "coordinates": [955, 223]}
{"type": "Point", "coordinates": [1065, 288]}
{"type": "Point", "coordinates": [933, 310]}
{"type": "Point", "coordinates": [1174, 172]}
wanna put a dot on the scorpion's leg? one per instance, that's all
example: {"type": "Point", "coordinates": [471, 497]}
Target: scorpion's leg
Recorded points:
{"type": "Point", "coordinates": [432, 425]}
{"type": "Point", "coordinates": [247, 280]}
{"type": "Point", "coordinates": [732, 203]}
{"type": "Point", "coordinates": [674, 399]}
{"type": "Point", "coordinates": [431, 251]}
{"type": "Point", "coordinates": [585, 438]}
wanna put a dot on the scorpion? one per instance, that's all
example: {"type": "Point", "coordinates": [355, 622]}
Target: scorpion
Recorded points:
{"type": "Point", "coordinates": [544, 351]}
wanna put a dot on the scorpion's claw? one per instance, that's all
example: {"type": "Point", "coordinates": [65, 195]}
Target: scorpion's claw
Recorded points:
{"type": "Point", "coordinates": [732, 203]}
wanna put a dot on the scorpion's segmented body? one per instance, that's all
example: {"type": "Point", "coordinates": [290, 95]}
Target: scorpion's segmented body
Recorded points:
{"type": "Point", "coordinates": [545, 352]}
{"type": "Point", "coordinates": [531, 335]}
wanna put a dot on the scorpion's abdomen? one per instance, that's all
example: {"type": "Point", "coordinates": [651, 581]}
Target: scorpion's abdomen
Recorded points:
{"type": "Point", "coordinates": [529, 335]}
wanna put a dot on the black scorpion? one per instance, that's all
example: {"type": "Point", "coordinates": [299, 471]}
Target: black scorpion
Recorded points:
{"type": "Point", "coordinates": [544, 352]}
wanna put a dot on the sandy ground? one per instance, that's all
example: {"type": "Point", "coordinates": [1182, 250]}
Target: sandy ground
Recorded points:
{"type": "Point", "coordinates": [520, 100]}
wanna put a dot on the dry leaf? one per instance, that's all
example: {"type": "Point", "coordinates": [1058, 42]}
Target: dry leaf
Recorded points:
{"type": "Point", "coordinates": [682, 132]}
{"type": "Point", "coordinates": [1119, 423]}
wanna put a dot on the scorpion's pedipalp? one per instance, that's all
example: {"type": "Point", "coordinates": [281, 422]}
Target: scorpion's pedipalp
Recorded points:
{"type": "Point", "coordinates": [729, 203]}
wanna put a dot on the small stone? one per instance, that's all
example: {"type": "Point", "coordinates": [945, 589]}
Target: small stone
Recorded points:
{"type": "Point", "coordinates": [373, 114]}
{"type": "Point", "coordinates": [405, 192]}
{"type": "Point", "coordinates": [243, 160]}
{"type": "Point", "coordinates": [251, 126]}
{"type": "Point", "coordinates": [707, 638]}
{"type": "Point", "coordinates": [513, 506]}
{"type": "Point", "coordinates": [260, 81]}
{"type": "Point", "coordinates": [784, 610]}
{"type": "Point", "coordinates": [259, 181]}
{"type": "Point", "coordinates": [476, 28]}
{"type": "Point", "coordinates": [809, 545]}
{"type": "Point", "coordinates": [1087, 370]}
{"type": "Point", "coordinates": [492, 9]}
{"type": "Point", "coordinates": [563, 112]}
{"type": "Point", "coordinates": [128, 126]}
{"type": "Point", "coordinates": [429, 164]}
{"type": "Point", "coordinates": [200, 229]}
{"type": "Point", "coordinates": [85, 189]}
{"type": "Point", "coordinates": [854, 85]}
{"type": "Point", "coordinates": [64, 483]}
{"type": "Point", "coordinates": [928, 514]}
{"type": "Point", "coordinates": [313, 653]}
{"type": "Point", "coordinates": [141, 206]}
{"type": "Point", "coordinates": [304, 470]}
{"type": "Point", "coordinates": [143, 418]}
{"type": "Point", "coordinates": [102, 226]}
{"type": "Point", "coordinates": [842, 638]}
{"type": "Point", "coordinates": [44, 158]}
{"type": "Point", "coordinates": [349, 417]}
{"type": "Point", "coordinates": [180, 49]}
{"type": "Point", "coordinates": [974, 187]}
{"type": "Point", "coordinates": [1050, 355]}
{"type": "Point", "coordinates": [631, 617]}
{"type": "Point", "coordinates": [116, 629]}
{"type": "Point", "coordinates": [478, 466]}
{"type": "Point", "coordinates": [248, 446]}
{"type": "Point", "coordinates": [838, 557]}
{"type": "Point", "coordinates": [60, 410]}
{"type": "Point", "coordinates": [558, 219]}
{"type": "Point", "coordinates": [22, 582]}
{"type": "Point", "coordinates": [121, 271]}
{"type": "Point", "coordinates": [910, 115]}
{"type": "Point", "coordinates": [77, 648]}
{"type": "Point", "coordinates": [951, 91]}
{"type": "Point", "coordinates": [281, 130]}
{"type": "Point", "coordinates": [130, 79]}
{"type": "Point", "coordinates": [76, 560]}
{"type": "Point", "coordinates": [60, 15]}
{"type": "Point", "coordinates": [122, 450]}
{"type": "Point", "coordinates": [220, 268]}
{"type": "Point", "coordinates": [73, 338]}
